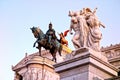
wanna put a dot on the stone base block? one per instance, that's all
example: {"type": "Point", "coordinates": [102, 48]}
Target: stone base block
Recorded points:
{"type": "Point", "coordinates": [85, 64]}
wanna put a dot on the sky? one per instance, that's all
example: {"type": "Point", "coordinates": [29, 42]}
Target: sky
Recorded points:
{"type": "Point", "coordinates": [18, 16]}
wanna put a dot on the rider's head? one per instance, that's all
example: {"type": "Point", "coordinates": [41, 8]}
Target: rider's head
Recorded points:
{"type": "Point", "coordinates": [50, 25]}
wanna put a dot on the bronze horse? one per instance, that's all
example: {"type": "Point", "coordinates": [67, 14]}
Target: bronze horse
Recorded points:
{"type": "Point", "coordinates": [43, 42]}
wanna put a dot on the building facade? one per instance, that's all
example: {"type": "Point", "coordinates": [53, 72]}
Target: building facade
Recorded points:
{"type": "Point", "coordinates": [34, 67]}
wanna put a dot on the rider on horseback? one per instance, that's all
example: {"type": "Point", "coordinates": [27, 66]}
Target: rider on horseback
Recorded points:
{"type": "Point", "coordinates": [49, 43]}
{"type": "Point", "coordinates": [50, 34]}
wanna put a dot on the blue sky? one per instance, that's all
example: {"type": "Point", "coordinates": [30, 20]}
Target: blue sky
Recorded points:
{"type": "Point", "coordinates": [17, 16]}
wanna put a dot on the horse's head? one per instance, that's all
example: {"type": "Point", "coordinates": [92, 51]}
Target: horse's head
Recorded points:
{"type": "Point", "coordinates": [35, 31]}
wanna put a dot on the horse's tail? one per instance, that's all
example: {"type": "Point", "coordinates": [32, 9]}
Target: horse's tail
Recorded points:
{"type": "Point", "coordinates": [59, 46]}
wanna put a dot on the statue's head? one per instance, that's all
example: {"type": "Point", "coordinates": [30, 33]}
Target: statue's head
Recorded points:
{"type": "Point", "coordinates": [35, 31]}
{"type": "Point", "coordinates": [50, 25]}
{"type": "Point", "coordinates": [88, 10]}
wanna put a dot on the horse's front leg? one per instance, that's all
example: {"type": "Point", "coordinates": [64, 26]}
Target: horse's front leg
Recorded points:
{"type": "Point", "coordinates": [35, 43]}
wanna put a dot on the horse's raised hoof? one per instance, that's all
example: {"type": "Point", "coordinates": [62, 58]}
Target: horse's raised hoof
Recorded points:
{"type": "Point", "coordinates": [37, 47]}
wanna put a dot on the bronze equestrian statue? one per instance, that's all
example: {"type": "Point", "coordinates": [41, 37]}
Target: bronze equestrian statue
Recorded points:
{"type": "Point", "coordinates": [42, 41]}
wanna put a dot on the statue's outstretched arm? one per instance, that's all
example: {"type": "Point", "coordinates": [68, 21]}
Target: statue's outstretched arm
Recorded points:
{"type": "Point", "coordinates": [94, 11]}
{"type": "Point", "coordinates": [102, 25]}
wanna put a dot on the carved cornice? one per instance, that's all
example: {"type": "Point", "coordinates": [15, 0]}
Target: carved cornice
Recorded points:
{"type": "Point", "coordinates": [33, 59]}
{"type": "Point", "coordinates": [111, 47]}
{"type": "Point", "coordinates": [114, 59]}
{"type": "Point", "coordinates": [112, 52]}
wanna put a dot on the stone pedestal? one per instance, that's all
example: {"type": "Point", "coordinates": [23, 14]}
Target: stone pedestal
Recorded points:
{"type": "Point", "coordinates": [35, 68]}
{"type": "Point", "coordinates": [85, 64]}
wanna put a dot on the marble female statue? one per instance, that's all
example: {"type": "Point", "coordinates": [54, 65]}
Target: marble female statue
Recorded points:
{"type": "Point", "coordinates": [79, 25]}
{"type": "Point", "coordinates": [74, 26]}
{"type": "Point", "coordinates": [95, 34]}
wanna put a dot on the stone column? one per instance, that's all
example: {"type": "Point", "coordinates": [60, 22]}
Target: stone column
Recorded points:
{"type": "Point", "coordinates": [85, 64]}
